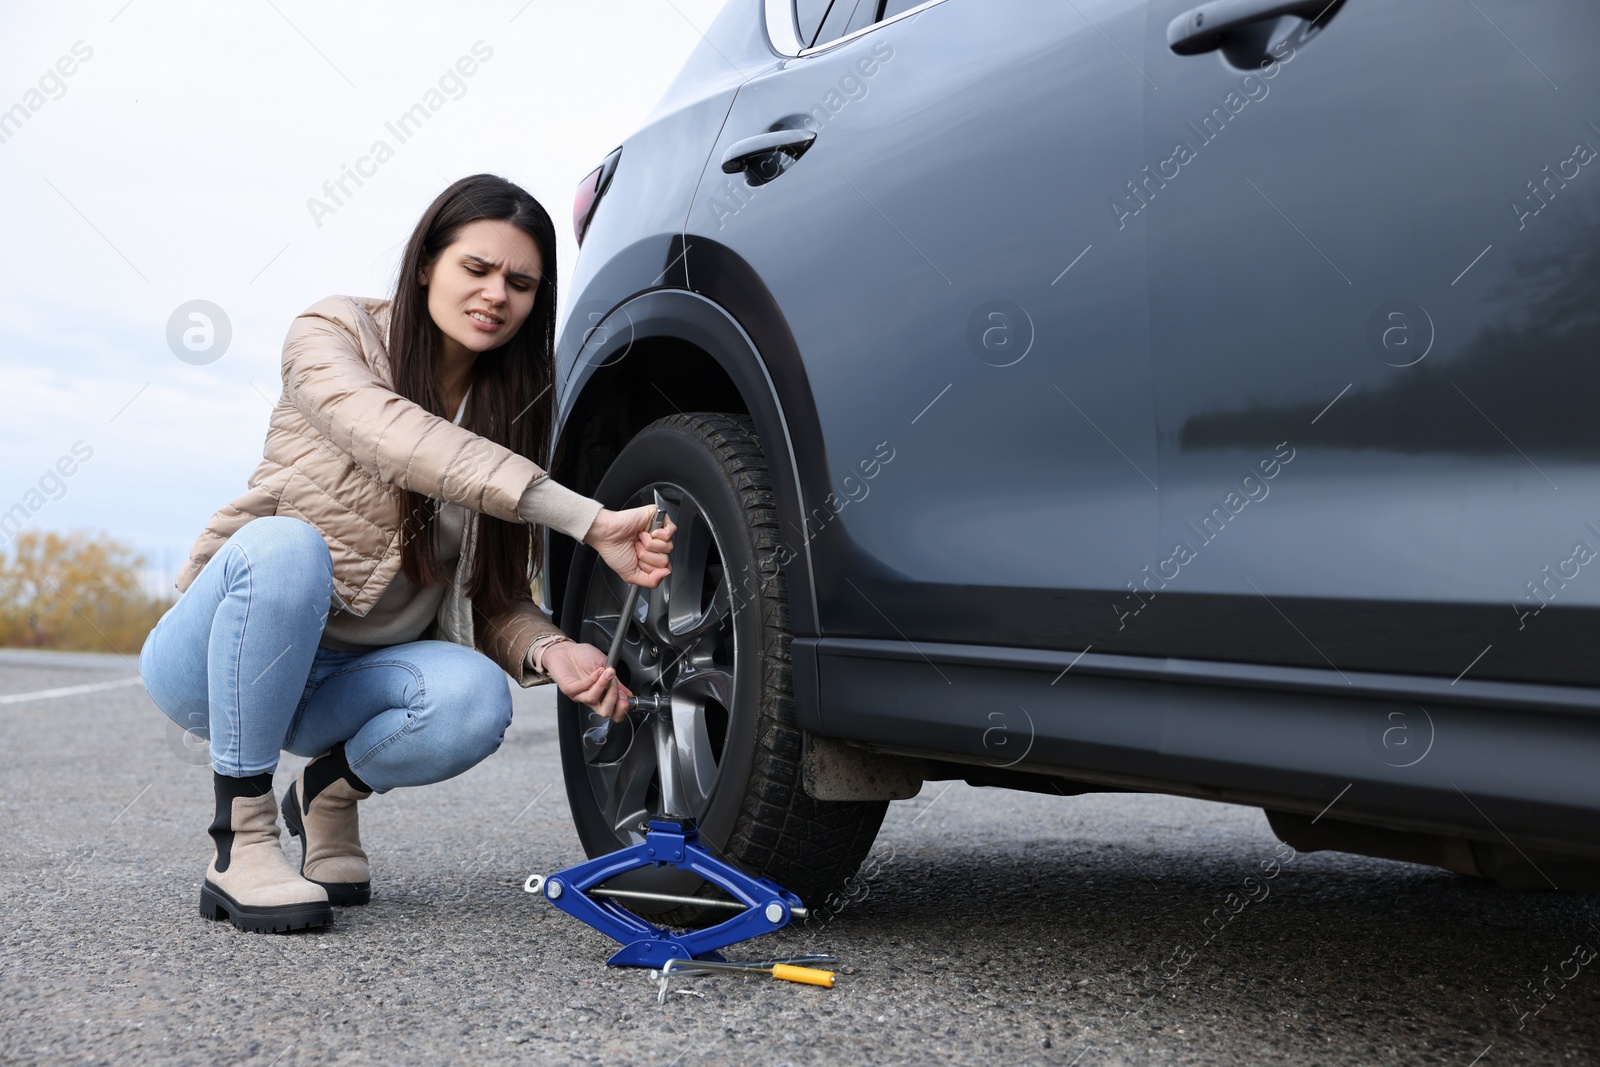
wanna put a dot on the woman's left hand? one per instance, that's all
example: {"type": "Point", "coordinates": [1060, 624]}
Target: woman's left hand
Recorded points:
{"type": "Point", "coordinates": [580, 671]}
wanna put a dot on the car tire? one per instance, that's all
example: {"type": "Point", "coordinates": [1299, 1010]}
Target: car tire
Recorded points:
{"type": "Point", "coordinates": [715, 638]}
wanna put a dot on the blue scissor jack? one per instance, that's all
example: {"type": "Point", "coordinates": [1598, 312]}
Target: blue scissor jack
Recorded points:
{"type": "Point", "coordinates": [670, 841]}
{"type": "Point", "coordinates": [763, 906]}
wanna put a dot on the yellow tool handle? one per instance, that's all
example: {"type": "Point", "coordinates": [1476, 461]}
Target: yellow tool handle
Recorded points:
{"type": "Point", "coordinates": [807, 975]}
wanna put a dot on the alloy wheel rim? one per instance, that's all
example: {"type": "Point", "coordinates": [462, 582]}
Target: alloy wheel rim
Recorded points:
{"type": "Point", "coordinates": [680, 648]}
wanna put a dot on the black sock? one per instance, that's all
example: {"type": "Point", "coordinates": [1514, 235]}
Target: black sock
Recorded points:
{"type": "Point", "coordinates": [329, 769]}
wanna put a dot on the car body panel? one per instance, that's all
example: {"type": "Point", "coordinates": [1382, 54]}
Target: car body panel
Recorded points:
{"type": "Point", "coordinates": [1338, 266]}
{"type": "Point", "coordinates": [1242, 733]}
{"type": "Point", "coordinates": [954, 333]}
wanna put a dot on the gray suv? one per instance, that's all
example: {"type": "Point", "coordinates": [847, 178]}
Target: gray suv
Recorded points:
{"type": "Point", "coordinates": [1117, 395]}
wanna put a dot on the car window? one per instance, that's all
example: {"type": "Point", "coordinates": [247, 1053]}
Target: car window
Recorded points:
{"type": "Point", "coordinates": [846, 16]}
{"type": "Point", "coordinates": [820, 22]}
{"type": "Point", "coordinates": [808, 16]}
{"type": "Point", "coordinates": [892, 8]}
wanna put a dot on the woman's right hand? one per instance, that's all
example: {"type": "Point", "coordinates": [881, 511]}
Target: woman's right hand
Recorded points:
{"type": "Point", "coordinates": [639, 555]}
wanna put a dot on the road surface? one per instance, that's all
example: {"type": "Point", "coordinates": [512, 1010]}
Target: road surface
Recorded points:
{"type": "Point", "coordinates": [993, 927]}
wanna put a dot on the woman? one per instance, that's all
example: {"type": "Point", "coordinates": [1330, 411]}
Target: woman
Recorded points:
{"type": "Point", "coordinates": [363, 601]}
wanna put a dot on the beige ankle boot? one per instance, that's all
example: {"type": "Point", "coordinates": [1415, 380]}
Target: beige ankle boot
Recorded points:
{"type": "Point", "coordinates": [250, 882]}
{"type": "Point", "coordinates": [320, 809]}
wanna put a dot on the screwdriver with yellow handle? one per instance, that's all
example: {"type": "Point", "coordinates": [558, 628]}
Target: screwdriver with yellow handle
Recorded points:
{"type": "Point", "coordinates": [787, 972]}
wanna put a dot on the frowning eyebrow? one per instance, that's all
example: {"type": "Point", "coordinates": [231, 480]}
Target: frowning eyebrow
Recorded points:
{"type": "Point", "coordinates": [530, 279]}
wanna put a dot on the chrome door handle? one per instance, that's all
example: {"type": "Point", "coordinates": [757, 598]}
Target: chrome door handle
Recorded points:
{"type": "Point", "coordinates": [739, 154]}
{"type": "Point", "coordinates": [1201, 29]}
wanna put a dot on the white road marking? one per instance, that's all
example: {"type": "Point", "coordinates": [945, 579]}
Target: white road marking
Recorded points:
{"type": "Point", "coordinates": [69, 691]}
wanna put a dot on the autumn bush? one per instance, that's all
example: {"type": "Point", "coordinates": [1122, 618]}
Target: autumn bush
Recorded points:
{"type": "Point", "coordinates": [78, 591]}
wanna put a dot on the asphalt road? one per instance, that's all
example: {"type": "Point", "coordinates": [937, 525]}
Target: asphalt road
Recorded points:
{"type": "Point", "coordinates": [996, 927]}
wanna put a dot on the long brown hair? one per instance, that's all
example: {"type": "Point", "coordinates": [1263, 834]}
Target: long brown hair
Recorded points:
{"type": "Point", "coordinates": [512, 403]}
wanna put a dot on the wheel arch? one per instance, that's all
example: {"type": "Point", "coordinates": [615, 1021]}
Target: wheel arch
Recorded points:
{"type": "Point", "coordinates": [672, 350]}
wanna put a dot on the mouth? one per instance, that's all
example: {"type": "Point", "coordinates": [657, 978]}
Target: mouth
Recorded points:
{"type": "Point", "coordinates": [486, 321]}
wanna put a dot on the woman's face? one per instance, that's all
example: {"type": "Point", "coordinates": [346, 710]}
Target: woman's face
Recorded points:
{"type": "Point", "coordinates": [481, 288]}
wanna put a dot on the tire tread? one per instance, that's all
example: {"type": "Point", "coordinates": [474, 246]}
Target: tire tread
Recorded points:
{"type": "Point", "coordinates": [810, 847]}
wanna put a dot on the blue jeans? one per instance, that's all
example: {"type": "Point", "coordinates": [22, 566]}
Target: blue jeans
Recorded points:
{"type": "Point", "coordinates": [237, 660]}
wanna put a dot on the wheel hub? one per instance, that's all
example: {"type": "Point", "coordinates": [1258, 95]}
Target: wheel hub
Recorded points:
{"type": "Point", "coordinates": [678, 657]}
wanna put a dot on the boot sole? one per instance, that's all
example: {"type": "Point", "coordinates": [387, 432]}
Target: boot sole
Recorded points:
{"type": "Point", "coordinates": [340, 894]}
{"type": "Point", "coordinates": [262, 919]}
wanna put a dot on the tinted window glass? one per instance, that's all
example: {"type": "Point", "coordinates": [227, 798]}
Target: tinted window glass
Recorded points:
{"type": "Point", "coordinates": [894, 7]}
{"type": "Point", "coordinates": [846, 16]}
{"type": "Point", "coordinates": [808, 16]}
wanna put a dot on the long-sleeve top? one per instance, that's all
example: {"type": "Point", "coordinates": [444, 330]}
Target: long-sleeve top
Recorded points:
{"type": "Point", "coordinates": [404, 610]}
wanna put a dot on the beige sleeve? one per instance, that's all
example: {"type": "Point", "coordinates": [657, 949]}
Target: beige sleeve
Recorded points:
{"type": "Point", "coordinates": [546, 502]}
{"type": "Point", "coordinates": [509, 639]}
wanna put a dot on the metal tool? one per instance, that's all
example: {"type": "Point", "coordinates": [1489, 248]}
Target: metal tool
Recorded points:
{"type": "Point", "coordinates": [598, 736]}
{"type": "Point", "coordinates": [673, 898]}
{"type": "Point", "coordinates": [763, 906]}
{"type": "Point", "coordinates": [786, 970]}
{"type": "Point", "coordinates": [699, 968]}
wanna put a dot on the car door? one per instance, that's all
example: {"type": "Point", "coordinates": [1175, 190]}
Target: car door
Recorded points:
{"type": "Point", "coordinates": [973, 330]}
{"type": "Point", "coordinates": [1372, 245]}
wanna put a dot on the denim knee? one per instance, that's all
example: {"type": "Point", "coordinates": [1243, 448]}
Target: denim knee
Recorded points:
{"type": "Point", "coordinates": [481, 701]}
{"type": "Point", "coordinates": [188, 710]}
{"type": "Point", "coordinates": [288, 557]}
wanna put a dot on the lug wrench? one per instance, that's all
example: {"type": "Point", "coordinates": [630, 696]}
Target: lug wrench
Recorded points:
{"type": "Point", "coordinates": [780, 969]}
{"type": "Point", "coordinates": [596, 735]}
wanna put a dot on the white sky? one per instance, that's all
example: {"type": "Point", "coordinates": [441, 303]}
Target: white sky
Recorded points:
{"type": "Point", "coordinates": [175, 164]}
